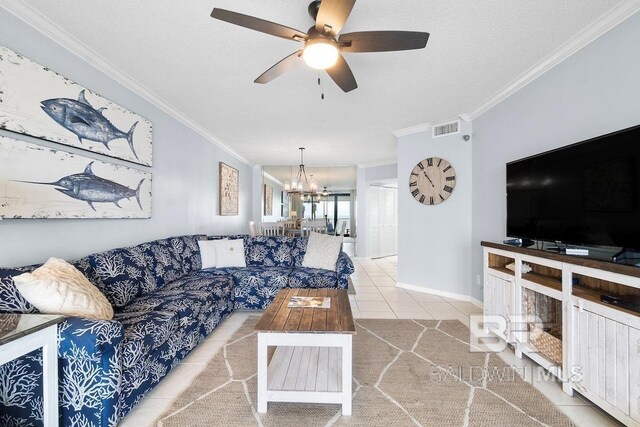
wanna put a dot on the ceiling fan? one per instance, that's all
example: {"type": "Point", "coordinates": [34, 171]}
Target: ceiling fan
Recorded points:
{"type": "Point", "coordinates": [323, 47]}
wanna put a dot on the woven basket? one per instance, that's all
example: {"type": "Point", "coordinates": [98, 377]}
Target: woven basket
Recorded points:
{"type": "Point", "coordinates": [548, 345]}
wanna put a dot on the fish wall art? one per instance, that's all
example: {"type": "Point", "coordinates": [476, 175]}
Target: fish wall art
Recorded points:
{"type": "Point", "coordinates": [39, 102]}
{"type": "Point", "coordinates": [39, 182]}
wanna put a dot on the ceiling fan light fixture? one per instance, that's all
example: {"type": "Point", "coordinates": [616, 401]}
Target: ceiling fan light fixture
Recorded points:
{"type": "Point", "coordinates": [320, 53]}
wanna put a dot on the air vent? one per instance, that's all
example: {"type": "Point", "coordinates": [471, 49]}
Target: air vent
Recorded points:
{"type": "Point", "coordinates": [446, 129]}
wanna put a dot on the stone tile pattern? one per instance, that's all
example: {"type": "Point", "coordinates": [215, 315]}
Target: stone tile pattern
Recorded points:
{"type": "Point", "coordinates": [378, 297]}
{"type": "Point", "coordinates": [406, 372]}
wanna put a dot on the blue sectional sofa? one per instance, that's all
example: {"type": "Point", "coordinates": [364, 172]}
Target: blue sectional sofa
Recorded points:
{"type": "Point", "coordinates": [164, 304]}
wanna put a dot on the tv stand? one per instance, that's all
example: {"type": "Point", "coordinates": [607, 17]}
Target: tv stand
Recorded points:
{"type": "Point", "coordinates": [627, 256]}
{"type": "Point", "coordinates": [578, 318]}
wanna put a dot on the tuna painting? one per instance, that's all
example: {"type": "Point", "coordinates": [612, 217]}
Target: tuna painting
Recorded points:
{"type": "Point", "coordinates": [79, 117]}
{"type": "Point", "coordinates": [39, 182]}
{"type": "Point", "coordinates": [39, 102]}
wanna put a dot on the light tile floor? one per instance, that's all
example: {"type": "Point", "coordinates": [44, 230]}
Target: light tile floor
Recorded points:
{"type": "Point", "coordinates": [376, 297]}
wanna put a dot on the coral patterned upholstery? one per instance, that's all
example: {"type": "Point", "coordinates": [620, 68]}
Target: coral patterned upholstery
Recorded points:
{"type": "Point", "coordinates": [164, 305]}
{"type": "Point", "coordinates": [121, 274]}
{"type": "Point", "coordinates": [269, 251]}
{"type": "Point", "coordinates": [255, 287]}
{"type": "Point", "coordinates": [312, 278]}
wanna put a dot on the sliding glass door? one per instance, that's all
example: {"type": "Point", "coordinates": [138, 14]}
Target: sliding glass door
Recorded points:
{"type": "Point", "coordinates": [336, 208]}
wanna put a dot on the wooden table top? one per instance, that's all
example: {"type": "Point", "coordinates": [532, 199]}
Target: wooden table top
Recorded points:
{"type": "Point", "coordinates": [335, 319]}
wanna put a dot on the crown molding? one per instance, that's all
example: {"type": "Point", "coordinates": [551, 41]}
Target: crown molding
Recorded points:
{"type": "Point", "coordinates": [44, 25]}
{"type": "Point", "coordinates": [376, 164]}
{"type": "Point", "coordinates": [272, 178]}
{"type": "Point", "coordinates": [422, 127]}
{"type": "Point", "coordinates": [608, 21]}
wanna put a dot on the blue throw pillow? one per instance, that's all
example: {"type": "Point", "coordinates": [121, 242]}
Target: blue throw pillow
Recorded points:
{"type": "Point", "coordinates": [121, 274]}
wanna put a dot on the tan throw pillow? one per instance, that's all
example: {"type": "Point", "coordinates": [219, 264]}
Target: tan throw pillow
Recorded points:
{"type": "Point", "coordinates": [322, 251]}
{"type": "Point", "coordinates": [57, 287]}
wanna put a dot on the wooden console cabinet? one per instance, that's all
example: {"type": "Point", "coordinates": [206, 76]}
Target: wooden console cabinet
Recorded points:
{"type": "Point", "coordinates": [592, 347]}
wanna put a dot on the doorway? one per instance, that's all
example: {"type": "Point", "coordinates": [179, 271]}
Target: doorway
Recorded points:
{"type": "Point", "coordinates": [383, 221]}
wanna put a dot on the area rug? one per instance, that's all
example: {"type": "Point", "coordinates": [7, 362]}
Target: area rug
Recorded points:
{"type": "Point", "coordinates": [405, 373]}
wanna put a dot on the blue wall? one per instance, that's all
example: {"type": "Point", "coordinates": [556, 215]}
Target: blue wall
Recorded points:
{"type": "Point", "coordinates": [185, 172]}
{"type": "Point", "coordinates": [434, 241]}
{"type": "Point", "coordinates": [594, 92]}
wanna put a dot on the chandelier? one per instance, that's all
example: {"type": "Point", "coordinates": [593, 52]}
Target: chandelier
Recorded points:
{"type": "Point", "coordinates": [300, 184]}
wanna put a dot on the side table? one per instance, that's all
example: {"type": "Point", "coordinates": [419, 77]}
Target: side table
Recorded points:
{"type": "Point", "coordinates": [21, 334]}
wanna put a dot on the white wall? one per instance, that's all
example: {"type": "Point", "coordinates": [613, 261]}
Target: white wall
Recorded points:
{"type": "Point", "coordinates": [256, 201]}
{"type": "Point", "coordinates": [365, 176]}
{"type": "Point", "coordinates": [434, 245]}
{"type": "Point", "coordinates": [594, 92]}
{"type": "Point", "coordinates": [185, 172]}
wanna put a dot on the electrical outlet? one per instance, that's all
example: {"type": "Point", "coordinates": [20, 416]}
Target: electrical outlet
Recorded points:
{"type": "Point", "coordinates": [478, 280]}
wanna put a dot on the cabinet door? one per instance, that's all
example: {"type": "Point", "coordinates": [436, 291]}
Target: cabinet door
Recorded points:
{"type": "Point", "coordinates": [634, 377]}
{"type": "Point", "coordinates": [498, 300]}
{"type": "Point", "coordinates": [601, 352]}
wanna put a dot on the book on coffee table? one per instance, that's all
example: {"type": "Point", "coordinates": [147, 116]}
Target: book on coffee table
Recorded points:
{"type": "Point", "coordinates": [309, 302]}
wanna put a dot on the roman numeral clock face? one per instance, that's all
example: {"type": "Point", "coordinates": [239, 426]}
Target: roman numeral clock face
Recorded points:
{"type": "Point", "coordinates": [432, 181]}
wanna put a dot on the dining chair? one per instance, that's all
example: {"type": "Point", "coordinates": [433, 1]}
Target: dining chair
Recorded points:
{"type": "Point", "coordinates": [272, 229]}
{"type": "Point", "coordinates": [315, 225]}
{"type": "Point", "coordinates": [290, 229]}
{"type": "Point", "coordinates": [253, 229]}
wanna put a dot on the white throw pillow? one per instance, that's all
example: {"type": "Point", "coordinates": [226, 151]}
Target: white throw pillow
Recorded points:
{"type": "Point", "coordinates": [322, 251]}
{"type": "Point", "coordinates": [57, 287]}
{"type": "Point", "coordinates": [207, 253]}
{"type": "Point", "coordinates": [229, 253]}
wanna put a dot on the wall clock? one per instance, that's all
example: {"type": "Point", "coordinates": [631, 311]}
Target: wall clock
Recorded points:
{"type": "Point", "coordinates": [432, 181]}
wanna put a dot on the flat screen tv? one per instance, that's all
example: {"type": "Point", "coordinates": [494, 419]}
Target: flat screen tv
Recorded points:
{"type": "Point", "coordinates": [586, 193]}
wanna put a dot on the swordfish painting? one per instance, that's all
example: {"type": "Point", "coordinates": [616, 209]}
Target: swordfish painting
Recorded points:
{"type": "Point", "coordinates": [88, 187]}
{"type": "Point", "coordinates": [36, 101]}
{"type": "Point", "coordinates": [39, 182]}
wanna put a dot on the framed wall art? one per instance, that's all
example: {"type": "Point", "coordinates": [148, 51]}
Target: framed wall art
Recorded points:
{"type": "Point", "coordinates": [39, 102]}
{"type": "Point", "coordinates": [228, 190]}
{"type": "Point", "coordinates": [268, 200]}
{"type": "Point", "coordinates": [40, 182]}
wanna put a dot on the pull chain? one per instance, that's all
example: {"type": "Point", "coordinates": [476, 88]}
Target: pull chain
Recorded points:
{"type": "Point", "coordinates": [321, 87]}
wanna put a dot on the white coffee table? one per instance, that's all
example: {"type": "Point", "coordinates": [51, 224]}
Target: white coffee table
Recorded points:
{"type": "Point", "coordinates": [313, 356]}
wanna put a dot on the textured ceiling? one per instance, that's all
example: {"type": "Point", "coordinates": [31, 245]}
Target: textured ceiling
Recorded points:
{"type": "Point", "coordinates": [205, 68]}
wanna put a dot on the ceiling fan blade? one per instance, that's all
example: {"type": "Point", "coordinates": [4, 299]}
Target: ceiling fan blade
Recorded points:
{"type": "Point", "coordinates": [342, 75]}
{"type": "Point", "coordinates": [333, 14]}
{"type": "Point", "coordinates": [383, 41]}
{"type": "Point", "coordinates": [280, 68]}
{"type": "Point", "coordinates": [258, 24]}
